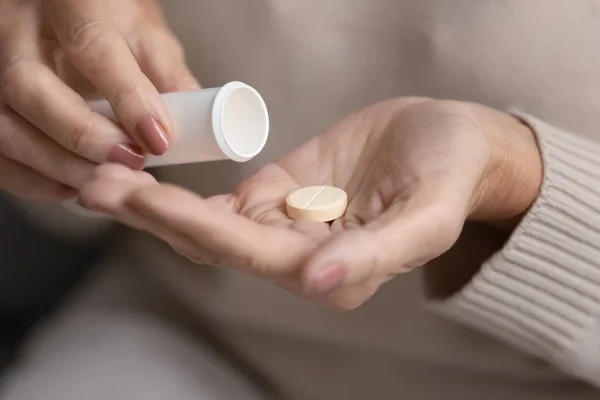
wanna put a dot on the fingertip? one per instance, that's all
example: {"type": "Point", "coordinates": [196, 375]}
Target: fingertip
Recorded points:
{"type": "Point", "coordinates": [111, 186]}
{"type": "Point", "coordinates": [346, 259]}
{"type": "Point", "coordinates": [87, 200]}
{"type": "Point", "coordinates": [322, 280]}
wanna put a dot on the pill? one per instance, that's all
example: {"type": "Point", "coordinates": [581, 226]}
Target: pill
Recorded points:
{"type": "Point", "coordinates": [316, 203]}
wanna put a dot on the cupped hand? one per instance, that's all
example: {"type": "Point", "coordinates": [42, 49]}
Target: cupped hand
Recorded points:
{"type": "Point", "coordinates": [55, 53]}
{"type": "Point", "coordinates": [414, 169]}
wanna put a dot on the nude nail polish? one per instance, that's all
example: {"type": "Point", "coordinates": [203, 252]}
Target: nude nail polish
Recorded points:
{"type": "Point", "coordinates": [152, 133]}
{"type": "Point", "coordinates": [128, 155]}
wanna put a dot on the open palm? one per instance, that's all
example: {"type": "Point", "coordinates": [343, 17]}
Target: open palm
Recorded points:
{"type": "Point", "coordinates": [413, 170]}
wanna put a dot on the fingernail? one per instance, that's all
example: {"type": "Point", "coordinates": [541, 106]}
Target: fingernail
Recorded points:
{"type": "Point", "coordinates": [151, 132]}
{"type": "Point", "coordinates": [330, 277]}
{"type": "Point", "coordinates": [127, 154]}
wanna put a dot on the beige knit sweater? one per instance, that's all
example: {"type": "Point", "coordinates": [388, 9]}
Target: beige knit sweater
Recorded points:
{"type": "Point", "coordinates": [315, 61]}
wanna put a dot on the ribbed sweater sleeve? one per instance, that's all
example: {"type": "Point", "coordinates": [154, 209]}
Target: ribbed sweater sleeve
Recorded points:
{"type": "Point", "coordinates": [541, 292]}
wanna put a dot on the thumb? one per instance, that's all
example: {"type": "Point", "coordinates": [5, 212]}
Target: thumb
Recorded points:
{"type": "Point", "coordinates": [406, 235]}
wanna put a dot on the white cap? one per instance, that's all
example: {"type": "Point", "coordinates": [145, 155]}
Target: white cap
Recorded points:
{"type": "Point", "coordinates": [240, 121]}
{"type": "Point", "coordinates": [230, 122]}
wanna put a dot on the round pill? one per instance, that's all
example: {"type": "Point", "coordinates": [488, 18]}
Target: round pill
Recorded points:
{"type": "Point", "coordinates": [316, 203]}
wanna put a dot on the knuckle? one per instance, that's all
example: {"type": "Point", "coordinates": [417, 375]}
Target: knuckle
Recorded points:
{"type": "Point", "coordinates": [77, 139]}
{"type": "Point", "coordinates": [86, 38]}
{"type": "Point", "coordinates": [123, 95]}
{"type": "Point", "coordinates": [253, 265]}
{"type": "Point", "coordinates": [243, 257]}
{"type": "Point", "coordinates": [138, 196]}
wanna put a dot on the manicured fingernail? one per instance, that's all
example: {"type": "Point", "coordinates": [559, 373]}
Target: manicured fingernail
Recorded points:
{"type": "Point", "coordinates": [67, 192]}
{"type": "Point", "coordinates": [151, 132]}
{"type": "Point", "coordinates": [329, 278]}
{"type": "Point", "coordinates": [127, 154]}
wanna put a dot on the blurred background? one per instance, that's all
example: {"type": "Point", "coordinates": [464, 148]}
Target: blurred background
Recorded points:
{"type": "Point", "coordinates": [37, 272]}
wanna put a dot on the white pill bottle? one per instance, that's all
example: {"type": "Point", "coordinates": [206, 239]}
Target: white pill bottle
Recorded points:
{"type": "Point", "coordinates": [228, 122]}
{"type": "Point", "coordinates": [224, 123]}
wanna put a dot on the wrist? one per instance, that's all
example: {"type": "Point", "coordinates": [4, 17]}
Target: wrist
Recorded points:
{"type": "Point", "coordinates": [507, 190]}
{"type": "Point", "coordinates": [512, 182]}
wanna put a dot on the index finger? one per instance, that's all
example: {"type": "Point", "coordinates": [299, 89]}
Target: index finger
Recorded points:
{"type": "Point", "coordinates": [86, 32]}
{"type": "Point", "coordinates": [235, 240]}
{"type": "Point", "coordinates": [182, 218]}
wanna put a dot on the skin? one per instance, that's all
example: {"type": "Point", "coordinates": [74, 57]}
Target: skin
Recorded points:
{"type": "Point", "coordinates": [56, 53]}
{"type": "Point", "coordinates": [416, 172]}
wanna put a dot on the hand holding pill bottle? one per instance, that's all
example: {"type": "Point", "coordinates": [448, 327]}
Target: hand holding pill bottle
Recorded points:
{"type": "Point", "coordinates": [223, 123]}
{"type": "Point", "coordinates": [55, 55]}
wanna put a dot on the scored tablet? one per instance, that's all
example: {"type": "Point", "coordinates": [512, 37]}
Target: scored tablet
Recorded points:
{"type": "Point", "coordinates": [320, 203]}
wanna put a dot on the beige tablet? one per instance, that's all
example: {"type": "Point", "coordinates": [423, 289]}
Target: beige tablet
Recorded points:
{"type": "Point", "coordinates": [316, 203]}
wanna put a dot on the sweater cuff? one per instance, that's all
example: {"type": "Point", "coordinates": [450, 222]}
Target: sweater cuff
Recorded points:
{"type": "Point", "coordinates": [541, 292]}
